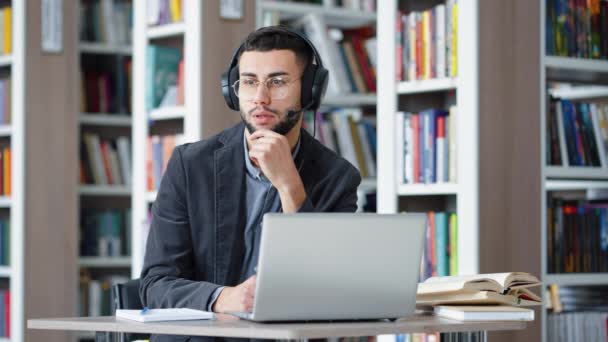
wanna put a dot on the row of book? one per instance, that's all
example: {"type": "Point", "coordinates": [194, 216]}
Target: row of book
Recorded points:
{"type": "Point", "coordinates": [5, 171]}
{"type": "Point", "coordinates": [5, 242]}
{"type": "Point", "coordinates": [432, 337]}
{"type": "Point", "coordinates": [427, 43]}
{"type": "Point", "coordinates": [577, 28]}
{"type": "Point", "coordinates": [158, 151]}
{"type": "Point", "coordinates": [107, 89]}
{"type": "Point", "coordinates": [577, 133]}
{"type": "Point", "coordinates": [5, 313]}
{"type": "Point", "coordinates": [357, 5]}
{"type": "Point", "coordinates": [95, 297]}
{"type": "Point", "coordinates": [577, 235]}
{"type": "Point", "coordinates": [565, 299]}
{"type": "Point", "coordinates": [349, 55]}
{"type": "Point", "coordinates": [105, 161]}
{"type": "Point", "coordinates": [5, 101]}
{"type": "Point", "coordinates": [577, 326]}
{"type": "Point", "coordinates": [162, 12]}
{"type": "Point", "coordinates": [106, 21]}
{"type": "Point", "coordinates": [105, 233]}
{"type": "Point", "coordinates": [350, 134]}
{"type": "Point", "coordinates": [164, 77]}
{"type": "Point", "coordinates": [427, 152]}
{"type": "Point", "coordinates": [6, 25]}
{"type": "Point", "coordinates": [441, 245]}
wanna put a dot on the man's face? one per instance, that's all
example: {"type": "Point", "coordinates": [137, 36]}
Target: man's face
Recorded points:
{"type": "Point", "coordinates": [278, 73]}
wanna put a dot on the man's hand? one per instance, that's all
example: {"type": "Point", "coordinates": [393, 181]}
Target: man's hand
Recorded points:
{"type": "Point", "coordinates": [238, 298]}
{"type": "Point", "coordinates": [271, 152]}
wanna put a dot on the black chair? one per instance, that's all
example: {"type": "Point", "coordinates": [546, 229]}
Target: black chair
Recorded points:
{"type": "Point", "coordinates": [124, 296]}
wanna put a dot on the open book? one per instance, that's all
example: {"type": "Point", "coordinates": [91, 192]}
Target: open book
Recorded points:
{"type": "Point", "coordinates": [496, 288]}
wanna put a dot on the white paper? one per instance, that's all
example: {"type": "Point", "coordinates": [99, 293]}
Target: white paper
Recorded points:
{"type": "Point", "coordinates": [52, 26]}
{"type": "Point", "coordinates": [231, 9]}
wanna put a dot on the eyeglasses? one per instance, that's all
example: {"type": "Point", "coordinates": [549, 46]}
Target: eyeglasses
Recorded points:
{"type": "Point", "coordinates": [277, 87]}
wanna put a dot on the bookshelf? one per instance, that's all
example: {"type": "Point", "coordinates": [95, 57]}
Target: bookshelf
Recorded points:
{"type": "Point", "coordinates": [393, 96]}
{"type": "Point", "coordinates": [496, 92]}
{"type": "Point", "coordinates": [203, 112]}
{"type": "Point", "coordinates": [104, 57]}
{"type": "Point", "coordinates": [341, 18]}
{"type": "Point", "coordinates": [587, 82]}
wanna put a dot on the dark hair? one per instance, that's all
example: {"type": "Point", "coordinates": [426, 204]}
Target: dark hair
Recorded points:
{"type": "Point", "coordinates": [277, 38]}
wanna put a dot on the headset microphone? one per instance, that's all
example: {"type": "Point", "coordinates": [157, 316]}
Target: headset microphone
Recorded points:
{"type": "Point", "coordinates": [291, 114]}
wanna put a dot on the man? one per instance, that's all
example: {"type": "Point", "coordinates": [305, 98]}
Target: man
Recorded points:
{"type": "Point", "coordinates": [204, 241]}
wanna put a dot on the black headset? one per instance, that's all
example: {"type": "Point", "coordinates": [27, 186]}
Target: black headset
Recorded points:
{"type": "Point", "coordinates": [314, 79]}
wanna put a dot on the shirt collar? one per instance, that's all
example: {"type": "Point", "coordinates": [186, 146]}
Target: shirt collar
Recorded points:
{"type": "Point", "coordinates": [255, 172]}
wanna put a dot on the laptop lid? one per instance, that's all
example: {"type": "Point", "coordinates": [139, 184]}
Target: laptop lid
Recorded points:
{"type": "Point", "coordinates": [333, 266]}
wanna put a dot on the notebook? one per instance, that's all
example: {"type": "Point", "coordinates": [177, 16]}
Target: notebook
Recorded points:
{"type": "Point", "coordinates": [485, 313]}
{"type": "Point", "coordinates": [159, 315]}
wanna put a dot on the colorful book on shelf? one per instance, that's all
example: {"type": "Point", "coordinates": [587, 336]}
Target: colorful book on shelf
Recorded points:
{"type": "Point", "coordinates": [162, 68]}
{"type": "Point", "coordinates": [497, 288]}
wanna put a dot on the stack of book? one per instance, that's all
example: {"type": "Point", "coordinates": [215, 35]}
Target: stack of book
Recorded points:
{"type": "Point", "coordinates": [158, 153]}
{"type": "Point", "coordinates": [497, 296]}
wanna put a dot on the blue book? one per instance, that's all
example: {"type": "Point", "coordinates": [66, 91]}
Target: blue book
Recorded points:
{"type": "Point", "coordinates": [441, 244]}
{"type": "Point", "coordinates": [157, 161]}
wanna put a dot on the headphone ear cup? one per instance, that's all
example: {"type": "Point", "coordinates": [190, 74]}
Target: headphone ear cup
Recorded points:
{"type": "Point", "coordinates": [319, 87]}
{"type": "Point", "coordinates": [233, 77]}
{"type": "Point", "coordinates": [226, 90]}
{"type": "Point", "coordinates": [308, 79]}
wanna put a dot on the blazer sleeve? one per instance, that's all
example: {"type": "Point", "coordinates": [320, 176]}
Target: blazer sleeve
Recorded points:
{"type": "Point", "coordinates": [168, 262]}
{"type": "Point", "coordinates": [347, 180]}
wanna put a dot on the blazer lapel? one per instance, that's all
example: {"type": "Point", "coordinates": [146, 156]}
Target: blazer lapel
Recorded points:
{"type": "Point", "coordinates": [230, 206]}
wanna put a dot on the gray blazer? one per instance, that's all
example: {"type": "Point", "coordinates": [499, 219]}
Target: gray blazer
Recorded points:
{"type": "Point", "coordinates": [196, 240]}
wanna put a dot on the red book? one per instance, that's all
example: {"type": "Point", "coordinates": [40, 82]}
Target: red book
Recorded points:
{"type": "Point", "coordinates": [180, 83]}
{"type": "Point", "coordinates": [7, 313]}
{"type": "Point", "coordinates": [432, 243]}
{"type": "Point", "coordinates": [419, 56]}
{"type": "Point", "coordinates": [106, 161]}
{"type": "Point", "coordinates": [416, 146]}
{"type": "Point", "coordinates": [399, 45]}
{"type": "Point", "coordinates": [366, 68]}
{"type": "Point", "coordinates": [149, 165]}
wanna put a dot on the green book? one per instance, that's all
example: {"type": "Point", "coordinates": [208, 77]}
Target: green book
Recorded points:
{"type": "Point", "coordinates": [453, 244]}
{"type": "Point", "coordinates": [161, 72]}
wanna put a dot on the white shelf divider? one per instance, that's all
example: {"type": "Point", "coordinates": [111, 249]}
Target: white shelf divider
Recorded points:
{"type": "Point", "coordinates": [427, 189]}
{"type": "Point", "coordinates": [574, 279]}
{"type": "Point", "coordinates": [578, 64]}
{"type": "Point", "coordinates": [5, 271]}
{"type": "Point", "coordinates": [576, 172]}
{"type": "Point", "coordinates": [6, 130]}
{"type": "Point", "coordinates": [350, 100]}
{"type": "Point", "coordinates": [168, 113]}
{"type": "Point", "coordinates": [166, 30]}
{"type": "Point", "coordinates": [104, 190]}
{"type": "Point", "coordinates": [563, 185]}
{"type": "Point", "coordinates": [6, 60]}
{"type": "Point", "coordinates": [5, 202]}
{"type": "Point", "coordinates": [334, 16]}
{"type": "Point", "coordinates": [105, 119]}
{"type": "Point", "coordinates": [579, 93]}
{"type": "Point", "coordinates": [427, 86]}
{"type": "Point", "coordinates": [105, 49]}
{"type": "Point", "coordinates": [105, 262]}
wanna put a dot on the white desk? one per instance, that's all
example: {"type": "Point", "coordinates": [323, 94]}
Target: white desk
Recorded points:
{"type": "Point", "coordinates": [228, 326]}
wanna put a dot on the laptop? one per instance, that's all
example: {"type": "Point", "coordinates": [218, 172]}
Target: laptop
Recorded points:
{"type": "Point", "coordinates": [333, 266]}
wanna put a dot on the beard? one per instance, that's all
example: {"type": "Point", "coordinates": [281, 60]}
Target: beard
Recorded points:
{"type": "Point", "coordinates": [289, 119]}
